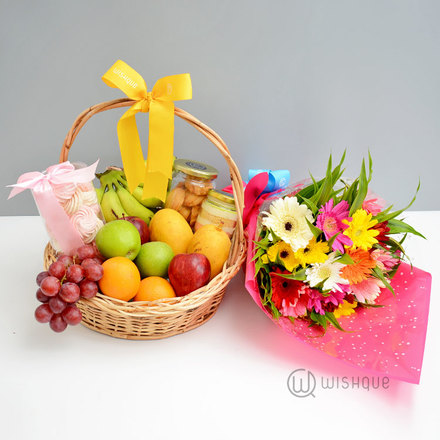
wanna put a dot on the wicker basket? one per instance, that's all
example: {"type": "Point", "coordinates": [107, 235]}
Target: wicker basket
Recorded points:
{"type": "Point", "coordinates": [167, 317]}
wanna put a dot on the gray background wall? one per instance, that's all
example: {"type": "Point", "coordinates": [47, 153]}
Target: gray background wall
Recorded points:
{"type": "Point", "coordinates": [284, 82]}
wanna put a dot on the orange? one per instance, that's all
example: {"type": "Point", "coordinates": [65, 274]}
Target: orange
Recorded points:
{"type": "Point", "coordinates": [121, 278]}
{"type": "Point", "coordinates": [152, 288]}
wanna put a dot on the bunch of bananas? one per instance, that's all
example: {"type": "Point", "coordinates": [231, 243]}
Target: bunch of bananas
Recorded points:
{"type": "Point", "coordinates": [116, 200]}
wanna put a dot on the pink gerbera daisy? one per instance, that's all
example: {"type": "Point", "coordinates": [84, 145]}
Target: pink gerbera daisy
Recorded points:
{"type": "Point", "coordinates": [373, 204]}
{"type": "Point", "coordinates": [315, 301]}
{"type": "Point", "coordinates": [299, 309]}
{"type": "Point", "coordinates": [330, 222]}
{"type": "Point", "coordinates": [334, 297]}
{"type": "Point", "coordinates": [320, 303]}
{"type": "Point", "coordinates": [368, 290]}
{"type": "Point", "coordinates": [385, 260]}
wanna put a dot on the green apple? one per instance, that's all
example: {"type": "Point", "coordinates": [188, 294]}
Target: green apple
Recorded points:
{"type": "Point", "coordinates": [154, 258]}
{"type": "Point", "coordinates": [118, 238]}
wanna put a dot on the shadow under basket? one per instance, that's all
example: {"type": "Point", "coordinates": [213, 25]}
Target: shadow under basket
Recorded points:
{"type": "Point", "coordinates": [167, 317]}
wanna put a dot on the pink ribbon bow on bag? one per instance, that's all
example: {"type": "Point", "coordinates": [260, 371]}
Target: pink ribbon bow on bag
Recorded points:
{"type": "Point", "coordinates": [41, 184]}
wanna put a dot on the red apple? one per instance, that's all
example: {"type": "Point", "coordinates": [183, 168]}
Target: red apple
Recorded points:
{"type": "Point", "coordinates": [188, 272]}
{"type": "Point", "coordinates": [141, 226]}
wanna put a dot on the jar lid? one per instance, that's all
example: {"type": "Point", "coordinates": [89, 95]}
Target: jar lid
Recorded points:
{"type": "Point", "coordinates": [194, 168]}
{"type": "Point", "coordinates": [224, 197]}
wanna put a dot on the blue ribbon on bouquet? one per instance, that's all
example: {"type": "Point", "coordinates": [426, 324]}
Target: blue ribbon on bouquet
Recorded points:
{"type": "Point", "coordinates": [278, 179]}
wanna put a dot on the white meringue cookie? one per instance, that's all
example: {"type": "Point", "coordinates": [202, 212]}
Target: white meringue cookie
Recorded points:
{"type": "Point", "coordinates": [64, 192]}
{"type": "Point", "coordinates": [86, 186]}
{"type": "Point", "coordinates": [86, 223]}
{"type": "Point", "coordinates": [74, 203]}
{"type": "Point", "coordinates": [89, 197]}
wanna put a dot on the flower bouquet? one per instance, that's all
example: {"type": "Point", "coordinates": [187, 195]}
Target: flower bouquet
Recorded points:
{"type": "Point", "coordinates": [326, 266]}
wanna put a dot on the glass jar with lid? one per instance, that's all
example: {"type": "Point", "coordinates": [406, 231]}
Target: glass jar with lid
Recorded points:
{"type": "Point", "coordinates": [192, 181]}
{"type": "Point", "coordinates": [218, 209]}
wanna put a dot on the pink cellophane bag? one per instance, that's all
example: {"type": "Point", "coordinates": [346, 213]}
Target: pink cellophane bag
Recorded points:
{"type": "Point", "coordinates": [388, 341]}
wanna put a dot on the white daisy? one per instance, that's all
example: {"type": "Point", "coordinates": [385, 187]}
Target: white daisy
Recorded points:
{"type": "Point", "coordinates": [327, 272]}
{"type": "Point", "coordinates": [287, 219]}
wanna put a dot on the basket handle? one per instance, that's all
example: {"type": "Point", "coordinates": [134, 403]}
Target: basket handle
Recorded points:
{"type": "Point", "coordinates": [211, 135]}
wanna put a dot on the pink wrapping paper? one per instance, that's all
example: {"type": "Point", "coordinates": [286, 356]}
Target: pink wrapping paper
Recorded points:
{"type": "Point", "coordinates": [388, 341]}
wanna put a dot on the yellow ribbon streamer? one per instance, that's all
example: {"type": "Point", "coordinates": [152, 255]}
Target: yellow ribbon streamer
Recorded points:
{"type": "Point", "coordinates": [160, 103]}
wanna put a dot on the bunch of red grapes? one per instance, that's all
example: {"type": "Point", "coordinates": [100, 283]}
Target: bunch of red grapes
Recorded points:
{"type": "Point", "coordinates": [67, 280]}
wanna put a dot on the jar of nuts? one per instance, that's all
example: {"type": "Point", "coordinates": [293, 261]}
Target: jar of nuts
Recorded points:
{"type": "Point", "coordinates": [191, 184]}
{"type": "Point", "coordinates": [218, 209]}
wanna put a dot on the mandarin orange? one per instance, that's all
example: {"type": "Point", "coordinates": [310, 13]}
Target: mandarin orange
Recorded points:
{"type": "Point", "coordinates": [121, 278]}
{"type": "Point", "coordinates": [152, 288]}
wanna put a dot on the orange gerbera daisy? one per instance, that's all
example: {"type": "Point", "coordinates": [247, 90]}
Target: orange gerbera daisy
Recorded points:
{"type": "Point", "coordinates": [360, 269]}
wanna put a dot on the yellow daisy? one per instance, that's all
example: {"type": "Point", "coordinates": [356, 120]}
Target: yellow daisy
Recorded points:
{"type": "Point", "coordinates": [265, 259]}
{"type": "Point", "coordinates": [345, 309]}
{"type": "Point", "coordinates": [359, 230]}
{"type": "Point", "coordinates": [284, 253]}
{"type": "Point", "coordinates": [314, 252]}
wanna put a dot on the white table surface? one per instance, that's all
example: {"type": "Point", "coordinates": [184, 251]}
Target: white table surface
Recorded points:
{"type": "Point", "coordinates": [226, 379]}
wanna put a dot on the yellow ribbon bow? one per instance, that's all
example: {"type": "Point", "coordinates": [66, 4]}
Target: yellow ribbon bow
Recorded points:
{"type": "Point", "coordinates": [160, 103]}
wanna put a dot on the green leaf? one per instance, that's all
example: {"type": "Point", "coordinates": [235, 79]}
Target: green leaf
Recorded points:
{"type": "Point", "coordinates": [315, 184]}
{"type": "Point", "coordinates": [320, 286]}
{"type": "Point", "coordinates": [386, 216]}
{"type": "Point", "coordinates": [332, 240]}
{"type": "Point", "coordinates": [258, 267]}
{"type": "Point", "coordinates": [308, 203]}
{"type": "Point", "coordinates": [279, 261]}
{"type": "Point", "coordinates": [299, 275]}
{"type": "Point", "coordinates": [402, 240]}
{"type": "Point", "coordinates": [260, 252]}
{"type": "Point", "coordinates": [316, 231]}
{"type": "Point", "coordinates": [263, 281]}
{"type": "Point", "coordinates": [362, 192]}
{"type": "Point", "coordinates": [337, 172]}
{"type": "Point", "coordinates": [319, 319]}
{"type": "Point", "coordinates": [345, 259]}
{"type": "Point", "coordinates": [310, 190]}
{"type": "Point", "coordinates": [370, 306]}
{"type": "Point", "coordinates": [391, 245]}
{"type": "Point", "coordinates": [350, 192]}
{"type": "Point", "coordinates": [394, 246]}
{"type": "Point", "coordinates": [383, 214]}
{"type": "Point", "coordinates": [264, 242]}
{"type": "Point", "coordinates": [344, 154]}
{"type": "Point", "coordinates": [334, 195]}
{"type": "Point", "coordinates": [379, 274]}
{"type": "Point", "coordinates": [400, 227]}
{"type": "Point", "coordinates": [326, 185]}
{"type": "Point", "coordinates": [275, 312]}
{"type": "Point", "coordinates": [393, 271]}
{"type": "Point", "coordinates": [323, 189]}
{"type": "Point", "coordinates": [331, 317]}
{"type": "Point", "coordinates": [370, 167]}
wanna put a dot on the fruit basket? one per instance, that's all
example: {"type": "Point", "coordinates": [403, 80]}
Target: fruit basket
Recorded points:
{"type": "Point", "coordinates": [165, 317]}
